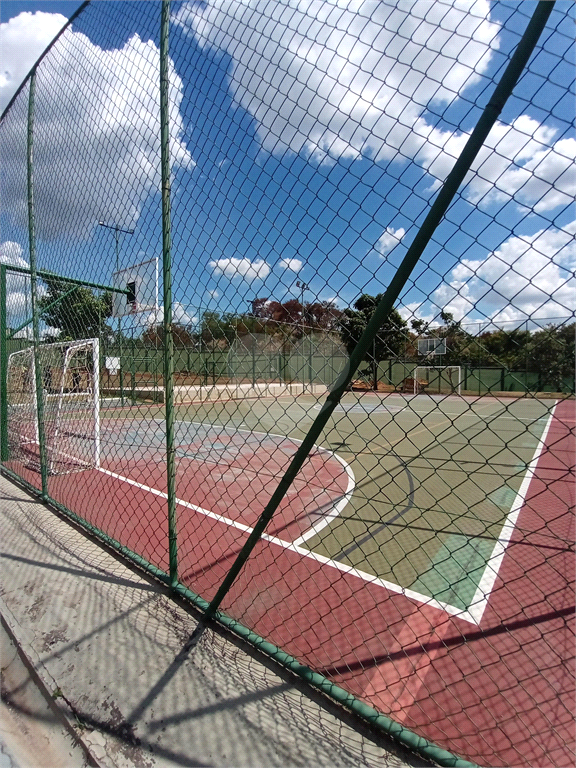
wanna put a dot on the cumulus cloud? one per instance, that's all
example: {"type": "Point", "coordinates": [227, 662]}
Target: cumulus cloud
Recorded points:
{"type": "Point", "coordinates": [419, 310]}
{"type": "Point", "coordinates": [17, 286]}
{"type": "Point", "coordinates": [37, 30]}
{"type": "Point", "coordinates": [389, 239]}
{"type": "Point", "coordinates": [519, 160]}
{"type": "Point", "coordinates": [11, 253]}
{"type": "Point", "coordinates": [344, 78]}
{"type": "Point", "coordinates": [96, 139]}
{"type": "Point", "coordinates": [349, 79]}
{"type": "Point", "coordinates": [294, 265]}
{"type": "Point", "coordinates": [180, 315]}
{"type": "Point", "coordinates": [528, 277]}
{"type": "Point", "coordinates": [241, 268]}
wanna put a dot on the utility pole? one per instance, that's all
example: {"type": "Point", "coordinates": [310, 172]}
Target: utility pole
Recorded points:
{"type": "Point", "coordinates": [305, 287]}
{"type": "Point", "coordinates": [117, 230]}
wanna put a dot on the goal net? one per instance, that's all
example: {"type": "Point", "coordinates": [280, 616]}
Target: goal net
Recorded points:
{"type": "Point", "coordinates": [70, 406]}
{"type": "Point", "coordinates": [438, 379]}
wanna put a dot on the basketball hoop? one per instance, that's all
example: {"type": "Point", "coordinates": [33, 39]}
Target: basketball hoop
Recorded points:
{"type": "Point", "coordinates": [137, 289]}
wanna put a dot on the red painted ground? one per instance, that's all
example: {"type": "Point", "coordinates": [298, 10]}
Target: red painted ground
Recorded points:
{"type": "Point", "coordinates": [498, 694]}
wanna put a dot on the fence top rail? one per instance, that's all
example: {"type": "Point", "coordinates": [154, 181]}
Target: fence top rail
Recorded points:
{"type": "Point", "coordinates": [47, 275]}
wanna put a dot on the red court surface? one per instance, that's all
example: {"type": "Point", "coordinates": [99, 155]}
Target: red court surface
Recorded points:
{"type": "Point", "coordinates": [498, 693]}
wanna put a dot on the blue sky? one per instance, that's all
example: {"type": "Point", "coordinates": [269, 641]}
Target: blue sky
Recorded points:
{"type": "Point", "coordinates": [266, 193]}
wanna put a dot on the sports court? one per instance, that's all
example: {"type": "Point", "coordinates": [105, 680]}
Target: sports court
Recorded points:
{"type": "Point", "coordinates": [418, 494]}
{"type": "Point", "coordinates": [407, 520]}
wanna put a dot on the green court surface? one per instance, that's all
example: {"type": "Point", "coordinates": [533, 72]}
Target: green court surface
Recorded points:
{"type": "Point", "coordinates": [435, 479]}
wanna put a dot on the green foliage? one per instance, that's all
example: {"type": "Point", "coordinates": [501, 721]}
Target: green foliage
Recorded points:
{"type": "Point", "coordinates": [550, 352]}
{"type": "Point", "coordinates": [75, 312]}
{"type": "Point", "coordinates": [390, 341]}
{"type": "Point", "coordinates": [182, 336]}
{"type": "Point", "coordinates": [216, 331]}
{"type": "Point", "coordinates": [391, 337]}
{"type": "Point", "coordinates": [504, 348]}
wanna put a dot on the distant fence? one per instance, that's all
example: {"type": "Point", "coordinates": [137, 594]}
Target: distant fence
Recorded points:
{"type": "Point", "coordinates": [215, 367]}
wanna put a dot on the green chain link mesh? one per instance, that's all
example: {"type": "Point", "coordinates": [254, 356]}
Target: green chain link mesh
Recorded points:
{"type": "Point", "coordinates": [422, 558]}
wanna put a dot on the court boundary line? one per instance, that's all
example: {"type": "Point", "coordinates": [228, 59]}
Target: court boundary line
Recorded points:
{"type": "Point", "coordinates": [323, 560]}
{"type": "Point", "coordinates": [486, 584]}
{"type": "Point", "coordinates": [336, 509]}
{"type": "Point", "coordinates": [473, 614]}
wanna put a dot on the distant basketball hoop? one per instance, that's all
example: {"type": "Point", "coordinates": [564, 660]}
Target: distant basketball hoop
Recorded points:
{"type": "Point", "coordinates": [137, 289]}
{"type": "Point", "coordinates": [431, 346]}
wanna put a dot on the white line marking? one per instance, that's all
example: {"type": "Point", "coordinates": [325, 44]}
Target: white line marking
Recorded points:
{"type": "Point", "coordinates": [390, 586]}
{"type": "Point", "coordinates": [480, 600]}
{"type": "Point", "coordinates": [337, 508]}
{"type": "Point", "coordinates": [486, 583]}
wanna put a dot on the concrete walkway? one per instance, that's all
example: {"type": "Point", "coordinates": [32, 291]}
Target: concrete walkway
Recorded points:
{"type": "Point", "coordinates": [105, 644]}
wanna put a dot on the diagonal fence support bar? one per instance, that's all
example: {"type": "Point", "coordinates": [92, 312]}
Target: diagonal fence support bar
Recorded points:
{"type": "Point", "coordinates": [47, 275]}
{"type": "Point", "coordinates": [42, 273]}
{"type": "Point", "coordinates": [440, 206]}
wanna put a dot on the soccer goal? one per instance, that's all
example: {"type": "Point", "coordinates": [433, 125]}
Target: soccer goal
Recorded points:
{"type": "Point", "coordinates": [70, 406]}
{"type": "Point", "coordinates": [438, 379]}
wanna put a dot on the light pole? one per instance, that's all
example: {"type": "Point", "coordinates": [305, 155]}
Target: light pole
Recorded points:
{"type": "Point", "coordinates": [117, 230]}
{"type": "Point", "coordinates": [305, 287]}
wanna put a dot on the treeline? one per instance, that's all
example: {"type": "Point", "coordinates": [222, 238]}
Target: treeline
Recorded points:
{"type": "Point", "coordinates": [549, 351]}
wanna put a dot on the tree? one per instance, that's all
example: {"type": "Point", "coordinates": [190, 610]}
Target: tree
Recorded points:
{"type": "Point", "coordinates": [217, 331]}
{"type": "Point", "coordinates": [182, 336]}
{"type": "Point", "coordinates": [322, 316]}
{"type": "Point", "coordinates": [507, 348]}
{"type": "Point", "coordinates": [294, 319]}
{"type": "Point", "coordinates": [390, 340]}
{"type": "Point", "coordinates": [550, 353]}
{"type": "Point", "coordinates": [75, 311]}
{"type": "Point", "coordinates": [459, 343]}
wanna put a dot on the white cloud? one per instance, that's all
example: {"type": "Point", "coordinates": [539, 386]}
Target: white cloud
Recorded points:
{"type": "Point", "coordinates": [22, 40]}
{"type": "Point", "coordinates": [418, 310]}
{"type": "Point", "coordinates": [241, 268]}
{"type": "Point", "coordinates": [17, 286]}
{"type": "Point", "coordinates": [180, 315]}
{"type": "Point", "coordinates": [520, 160]}
{"type": "Point", "coordinates": [11, 253]}
{"type": "Point", "coordinates": [350, 78]}
{"type": "Point", "coordinates": [528, 277]}
{"type": "Point", "coordinates": [97, 133]}
{"type": "Point", "coordinates": [389, 239]}
{"type": "Point", "coordinates": [294, 265]}
{"type": "Point", "coordinates": [344, 78]}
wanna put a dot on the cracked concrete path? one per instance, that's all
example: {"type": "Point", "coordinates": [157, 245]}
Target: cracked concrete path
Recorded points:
{"type": "Point", "coordinates": [107, 645]}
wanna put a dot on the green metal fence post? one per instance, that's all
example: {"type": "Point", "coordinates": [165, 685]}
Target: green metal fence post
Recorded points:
{"type": "Point", "coordinates": [167, 280]}
{"type": "Point", "coordinates": [33, 286]}
{"type": "Point", "coordinates": [133, 373]}
{"type": "Point", "coordinates": [437, 211]}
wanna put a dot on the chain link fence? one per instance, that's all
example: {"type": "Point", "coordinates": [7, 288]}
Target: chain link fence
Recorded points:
{"type": "Point", "coordinates": [325, 255]}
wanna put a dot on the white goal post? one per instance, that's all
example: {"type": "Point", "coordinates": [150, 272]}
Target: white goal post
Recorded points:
{"type": "Point", "coordinates": [69, 374]}
{"type": "Point", "coordinates": [438, 379]}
